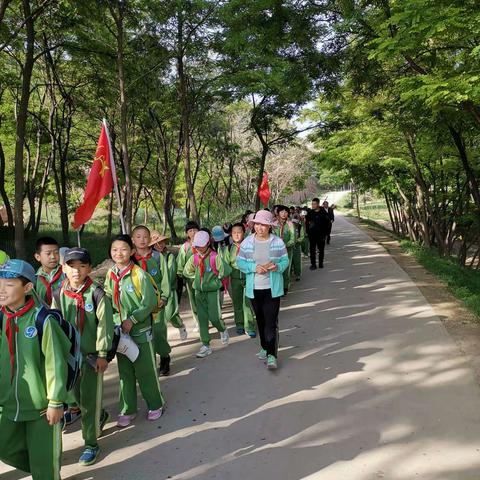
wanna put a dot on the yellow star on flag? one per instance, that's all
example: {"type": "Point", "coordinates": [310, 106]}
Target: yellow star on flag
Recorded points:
{"type": "Point", "coordinates": [103, 165]}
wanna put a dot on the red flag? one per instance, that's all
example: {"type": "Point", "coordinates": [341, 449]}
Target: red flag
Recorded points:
{"type": "Point", "coordinates": [264, 190]}
{"type": "Point", "coordinates": [99, 183]}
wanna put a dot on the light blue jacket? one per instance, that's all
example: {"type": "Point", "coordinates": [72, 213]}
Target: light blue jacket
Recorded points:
{"type": "Point", "coordinates": [246, 264]}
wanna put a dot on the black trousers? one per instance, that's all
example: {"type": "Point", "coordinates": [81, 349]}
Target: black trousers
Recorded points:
{"type": "Point", "coordinates": [317, 242]}
{"type": "Point", "coordinates": [266, 311]}
{"type": "Point", "coordinates": [329, 232]}
{"type": "Point", "coordinates": [179, 288]}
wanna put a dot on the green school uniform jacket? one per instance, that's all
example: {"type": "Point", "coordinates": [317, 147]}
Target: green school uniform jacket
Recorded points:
{"type": "Point", "coordinates": [39, 371]}
{"type": "Point", "coordinates": [134, 306]}
{"type": "Point", "coordinates": [172, 269]}
{"type": "Point", "coordinates": [97, 333]}
{"type": "Point", "coordinates": [157, 268]}
{"type": "Point", "coordinates": [288, 236]}
{"type": "Point", "coordinates": [210, 282]}
{"type": "Point", "coordinates": [40, 287]}
{"type": "Point", "coordinates": [183, 256]}
{"type": "Point", "coordinates": [232, 261]}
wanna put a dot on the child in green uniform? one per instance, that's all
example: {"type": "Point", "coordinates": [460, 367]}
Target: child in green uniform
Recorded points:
{"type": "Point", "coordinates": [84, 304]}
{"type": "Point", "coordinates": [3, 257]}
{"type": "Point", "coordinates": [49, 278]}
{"type": "Point", "coordinates": [286, 232]}
{"type": "Point", "coordinates": [206, 269]}
{"type": "Point", "coordinates": [184, 254]}
{"type": "Point", "coordinates": [297, 249]}
{"type": "Point", "coordinates": [50, 274]}
{"type": "Point", "coordinates": [154, 263]}
{"type": "Point", "coordinates": [220, 245]}
{"type": "Point", "coordinates": [172, 315]}
{"type": "Point", "coordinates": [133, 300]}
{"type": "Point", "coordinates": [33, 378]}
{"type": "Point", "coordinates": [242, 309]}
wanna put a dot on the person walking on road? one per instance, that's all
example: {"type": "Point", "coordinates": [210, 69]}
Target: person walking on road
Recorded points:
{"type": "Point", "coordinates": [317, 227]}
{"type": "Point", "coordinates": [331, 216]}
{"type": "Point", "coordinates": [263, 258]}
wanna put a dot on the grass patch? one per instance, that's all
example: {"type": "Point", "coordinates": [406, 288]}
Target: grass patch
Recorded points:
{"type": "Point", "coordinates": [462, 282]}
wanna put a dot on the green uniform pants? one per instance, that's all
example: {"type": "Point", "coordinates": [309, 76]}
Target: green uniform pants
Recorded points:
{"type": "Point", "coordinates": [34, 447]}
{"type": "Point", "coordinates": [89, 395]}
{"type": "Point", "coordinates": [297, 260]}
{"type": "Point", "coordinates": [160, 332]}
{"type": "Point", "coordinates": [208, 308]}
{"type": "Point", "coordinates": [192, 298]}
{"type": "Point", "coordinates": [143, 371]}
{"type": "Point", "coordinates": [171, 311]}
{"type": "Point", "coordinates": [242, 309]}
{"type": "Point", "coordinates": [286, 272]}
{"type": "Point", "coordinates": [306, 246]}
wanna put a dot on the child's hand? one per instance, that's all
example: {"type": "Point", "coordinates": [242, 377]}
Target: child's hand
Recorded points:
{"type": "Point", "coordinates": [161, 303]}
{"type": "Point", "coordinates": [102, 365]}
{"type": "Point", "coordinates": [272, 266]}
{"type": "Point", "coordinates": [127, 325]}
{"type": "Point", "coordinates": [54, 415]}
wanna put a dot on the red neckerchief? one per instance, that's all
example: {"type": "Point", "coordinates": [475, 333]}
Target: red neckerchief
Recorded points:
{"type": "Point", "coordinates": [116, 284]}
{"type": "Point", "coordinates": [282, 226]}
{"type": "Point", "coordinates": [9, 330]}
{"type": "Point", "coordinates": [237, 249]}
{"type": "Point", "coordinates": [202, 263]}
{"type": "Point", "coordinates": [48, 285]}
{"type": "Point", "coordinates": [143, 260]}
{"type": "Point", "coordinates": [80, 302]}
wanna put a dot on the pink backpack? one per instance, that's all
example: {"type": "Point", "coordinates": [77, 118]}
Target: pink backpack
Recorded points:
{"type": "Point", "coordinates": [213, 266]}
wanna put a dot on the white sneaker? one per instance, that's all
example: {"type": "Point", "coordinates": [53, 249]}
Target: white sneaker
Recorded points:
{"type": "Point", "coordinates": [204, 351]}
{"type": "Point", "coordinates": [196, 329]}
{"type": "Point", "coordinates": [224, 337]}
{"type": "Point", "coordinates": [183, 333]}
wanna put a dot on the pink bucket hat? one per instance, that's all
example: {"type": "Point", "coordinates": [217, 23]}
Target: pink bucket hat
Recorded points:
{"type": "Point", "coordinates": [264, 217]}
{"type": "Point", "coordinates": [201, 239]}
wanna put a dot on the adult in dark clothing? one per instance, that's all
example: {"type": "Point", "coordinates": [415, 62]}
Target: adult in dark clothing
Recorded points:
{"type": "Point", "coordinates": [331, 216]}
{"type": "Point", "coordinates": [317, 226]}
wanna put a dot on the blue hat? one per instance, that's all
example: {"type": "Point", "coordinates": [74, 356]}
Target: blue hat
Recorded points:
{"type": "Point", "coordinates": [218, 234]}
{"type": "Point", "coordinates": [18, 268]}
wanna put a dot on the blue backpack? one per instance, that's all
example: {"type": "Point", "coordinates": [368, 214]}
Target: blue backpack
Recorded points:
{"type": "Point", "coordinates": [74, 358]}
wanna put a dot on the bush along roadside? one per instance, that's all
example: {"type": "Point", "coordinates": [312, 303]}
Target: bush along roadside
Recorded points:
{"type": "Point", "coordinates": [463, 283]}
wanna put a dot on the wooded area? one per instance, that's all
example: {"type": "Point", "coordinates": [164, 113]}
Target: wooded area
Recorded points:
{"type": "Point", "coordinates": [203, 96]}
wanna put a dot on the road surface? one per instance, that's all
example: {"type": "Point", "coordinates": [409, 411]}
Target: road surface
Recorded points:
{"type": "Point", "coordinates": [370, 386]}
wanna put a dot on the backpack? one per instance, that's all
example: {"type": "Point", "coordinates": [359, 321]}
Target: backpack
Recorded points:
{"type": "Point", "coordinates": [137, 285]}
{"type": "Point", "coordinates": [74, 358]}
{"type": "Point", "coordinates": [97, 296]}
{"type": "Point", "coordinates": [213, 266]}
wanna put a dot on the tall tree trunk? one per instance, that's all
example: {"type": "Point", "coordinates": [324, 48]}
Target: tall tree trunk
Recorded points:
{"type": "Point", "coordinates": [3, 192]}
{"type": "Point", "coordinates": [185, 114]}
{"type": "Point", "coordinates": [118, 16]}
{"type": "Point", "coordinates": [21, 128]}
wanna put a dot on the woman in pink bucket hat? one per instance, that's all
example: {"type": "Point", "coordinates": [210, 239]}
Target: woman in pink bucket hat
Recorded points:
{"type": "Point", "coordinates": [263, 258]}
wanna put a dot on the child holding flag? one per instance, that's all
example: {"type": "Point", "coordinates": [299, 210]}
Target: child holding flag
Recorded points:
{"type": "Point", "coordinates": [206, 269]}
{"type": "Point", "coordinates": [134, 300]}
{"type": "Point", "coordinates": [33, 377]}
{"type": "Point", "coordinates": [154, 263]}
{"type": "Point", "coordinates": [84, 304]}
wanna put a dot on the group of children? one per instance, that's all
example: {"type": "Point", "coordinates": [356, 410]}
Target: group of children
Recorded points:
{"type": "Point", "coordinates": [138, 299]}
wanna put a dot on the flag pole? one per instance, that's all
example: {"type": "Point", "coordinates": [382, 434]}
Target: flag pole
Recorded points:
{"type": "Point", "coordinates": [78, 239]}
{"type": "Point", "coordinates": [115, 180]}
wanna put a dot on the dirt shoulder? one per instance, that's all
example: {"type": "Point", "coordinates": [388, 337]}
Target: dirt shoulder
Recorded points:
{"type": "Point", "coordinates": [460, 323]}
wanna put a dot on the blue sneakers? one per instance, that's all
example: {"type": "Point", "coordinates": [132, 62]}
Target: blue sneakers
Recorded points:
{"type": "Point", "coordinates": [89, 456]}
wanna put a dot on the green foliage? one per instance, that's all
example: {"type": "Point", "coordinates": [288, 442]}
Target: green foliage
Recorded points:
{"type": "Point", "coordinates": [464, 284]}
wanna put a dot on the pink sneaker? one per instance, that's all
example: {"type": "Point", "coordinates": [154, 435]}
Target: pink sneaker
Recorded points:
{"type": "Point", "coordinates": [125, 420]}
{"type": "Point", "coordinates": [154, 414]}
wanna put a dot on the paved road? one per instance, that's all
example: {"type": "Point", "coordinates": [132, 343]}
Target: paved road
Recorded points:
{"type": "Point", "coordinates": [371, 386]}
